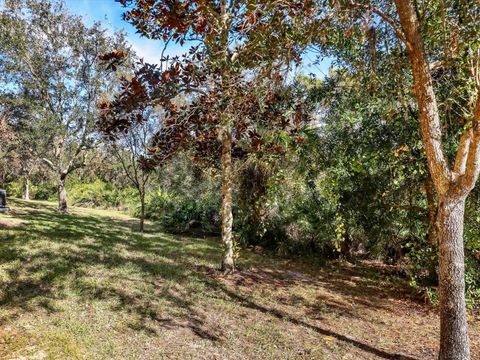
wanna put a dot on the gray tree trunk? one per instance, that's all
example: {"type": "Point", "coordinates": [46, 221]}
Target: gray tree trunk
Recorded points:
{"type": "Point", "coordinates": [26, 188]}
{"type": "Point", "coordinates": [142, 212]}
{"type": "Point", "coordinates": [62, 195]}
{"type": "Point", "coordinates": [228, 263]}
{"type": "Point", "coordinates": [454, 342]}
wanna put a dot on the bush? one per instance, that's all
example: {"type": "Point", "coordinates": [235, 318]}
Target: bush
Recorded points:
{"type": "Point", "coordinates": [472, 281]}
{"type": "Point", "coordinates": [101, 194]}
{"type": "Point", "coordinates": [14, 189]}
{"type": "Point", "coordinates": [38, 191]}
{"type": "Point", "coordinates": [183, 213]}
{"type": "Point", "coordinates": [43, 191]}
{"type": "Point", "coordinates": [284, 215]}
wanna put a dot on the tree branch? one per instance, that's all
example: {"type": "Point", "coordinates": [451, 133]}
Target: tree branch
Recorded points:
{"type": "Point", "coordinates": [49, 163]}
{"type": "Point", "coordinates": [462, 152]}
{"type": "Point", "coordinates": [430, 127]}
{"type": "Point", "coordinates": [388, 19]}
{"type": "Point", "coordinates": [468, 180]}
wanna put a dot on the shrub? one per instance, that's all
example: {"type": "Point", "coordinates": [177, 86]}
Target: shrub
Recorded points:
{"type": "Point", "coordinates": [14, 189]}
{"type": "Point", "coordinates": [101, 194]}
{"type": "Point", "coordinates": [184, 213]}
{"type": "Point", "coordinates": [38, 191]}
{"type": "Point", "coordinates": [43, 191]}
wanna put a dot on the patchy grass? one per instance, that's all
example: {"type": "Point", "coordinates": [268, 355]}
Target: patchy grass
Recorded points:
{"type": "Point", "coordinates": [87, 286]}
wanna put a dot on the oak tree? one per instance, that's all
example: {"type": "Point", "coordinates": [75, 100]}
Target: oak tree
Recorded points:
{"type": "Point", "coordinates": [439, 39]}
{"type": "Point", "coordinates": [51, 68]}
{"type": "Point", "coordinates": [238, 43]}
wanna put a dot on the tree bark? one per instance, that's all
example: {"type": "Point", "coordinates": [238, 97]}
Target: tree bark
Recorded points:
{"type": "Point", "coordinates": [431, 212]}
{"type": "Point", "coordinates": [142, 212]}
{"type": "Point", "coordinates": [454, 342]}
{"type": "Point", "coordinates": [62, 195]}
{"type": "Point", "coordinates": [26, 188]}
{"type": "Point", "coordinates": [228, 263]}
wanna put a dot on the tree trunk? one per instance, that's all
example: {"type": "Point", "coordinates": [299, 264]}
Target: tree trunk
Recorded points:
{"type": "Point", "coordinates": [142, 212]}
{"type": "Point", "coordinates": [228, 263]}
{"type": "Point", "coordinates": [454, 343]}
{"type": "Point", "coordinates": [346, 247]}
{"type": "Point", "coordinates": [26, 188]}
{"type": "Point", "coordinates": [62, 195]}
{"type": "Point", "coordinates": [431, 212]}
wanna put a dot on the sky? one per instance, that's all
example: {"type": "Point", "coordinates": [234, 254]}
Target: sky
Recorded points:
{"type": "Point", "coordinates": [109, 13]}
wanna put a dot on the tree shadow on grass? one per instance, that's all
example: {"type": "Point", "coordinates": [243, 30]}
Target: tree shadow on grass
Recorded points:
{"type": "Point", "coordinates": [245, 302]}
{"type": "Point", "coordinates": [56, 251]}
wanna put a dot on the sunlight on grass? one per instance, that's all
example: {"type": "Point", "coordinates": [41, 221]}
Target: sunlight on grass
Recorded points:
{"type": "Point", "coordinates": [86, 285]}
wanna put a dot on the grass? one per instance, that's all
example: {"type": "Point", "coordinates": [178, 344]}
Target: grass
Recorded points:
{"type": "Point", "coordinates": [87, 286]}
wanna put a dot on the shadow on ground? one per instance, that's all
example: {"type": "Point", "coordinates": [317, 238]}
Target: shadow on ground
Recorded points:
{"type": "Point", "coordinates": [160, 282]}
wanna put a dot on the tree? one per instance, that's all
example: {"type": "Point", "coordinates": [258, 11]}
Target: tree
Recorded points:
{"type": "Point", "coordinates": [374, 170]}
{"type": "Point", "coordinates": [234, 37]}
{"type": "Point", "coordinates": [453, 184]}
{"type": "Point", "coordinates": [130, 148]}
{"type": "Point", "coordinates": [50, 63]}
{"type": "Point", "coordinates": [441, 43]}
{"type": "Point", "coordinates": [8, 144]}
{"type": "Point", "coordinates": [27, 148]}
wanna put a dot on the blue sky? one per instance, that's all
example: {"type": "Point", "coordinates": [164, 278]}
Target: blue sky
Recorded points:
{"type": "Point", "coordinates": [109, 13]}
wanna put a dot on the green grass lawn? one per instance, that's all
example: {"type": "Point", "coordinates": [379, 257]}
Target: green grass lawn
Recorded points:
{"type": "Point", "coordinates": [87, 286]}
